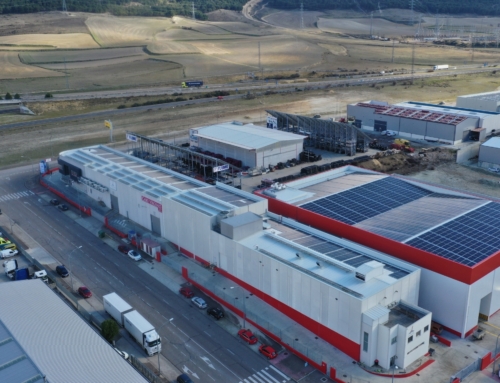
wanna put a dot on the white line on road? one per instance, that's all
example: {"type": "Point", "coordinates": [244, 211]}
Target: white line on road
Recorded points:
{"type": "Point", "coordinates": [211, 378]}
{"type": "Point", "coordinates": [270, 377]}
{"type": "Point", "coordinates": [260, 378]}
{"type": "Point", "coordinates": [253, 381]}
{"type": "Point", "coordinates": [207, 334]}
{"type": "Point", "coordinates": [279, 372]}
{"type": "Point", "coordinates": [230, 351]}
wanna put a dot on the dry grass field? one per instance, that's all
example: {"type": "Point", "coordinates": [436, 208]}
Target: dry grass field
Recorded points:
{"type": "Point", "coordinates": [243, 28]}
{"type": "Point", "coordinates": [42, 22]}
{"type": "Point", "coordinates": [87, 55]}
{"type": "Point", "coordinates": [68, 40]}
{"type": "Point", "coordinates": [291, 19]}
{"type": "Point", "coordinates": [167, 47]}
{"type": "Point", "coordinates": [13, 68]}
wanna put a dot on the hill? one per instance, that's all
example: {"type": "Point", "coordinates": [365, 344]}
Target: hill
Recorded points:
{"type": "Point", "coordinates": [477, 7]}
{"type": "Point", "coordinates": [123, 7]}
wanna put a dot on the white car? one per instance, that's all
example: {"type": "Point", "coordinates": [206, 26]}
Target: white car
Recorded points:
{"type": "Point", "coordinates": [388, 133]}
{"type": "Point", "coordinates": [123, 354]}
{"type": "Point", "coordinates": [134, 255]}
{"type": "Point", "coordinates": [8, 253]}
{"type": "Point", "coordinates": [199, 302]}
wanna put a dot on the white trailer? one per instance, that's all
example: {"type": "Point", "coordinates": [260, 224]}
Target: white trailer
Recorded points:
{"type": "Point", "coordinates": [143, 332]}
{"type": "Point", "coordinates": [115, 306]}
{"type": "Point", "coordinates": [437, 67]}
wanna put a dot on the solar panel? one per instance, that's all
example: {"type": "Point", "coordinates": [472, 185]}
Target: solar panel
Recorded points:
{"type": "Point", "coordinates": [468, 239]}
{"type": "Point", "coordinates": [366, 201]}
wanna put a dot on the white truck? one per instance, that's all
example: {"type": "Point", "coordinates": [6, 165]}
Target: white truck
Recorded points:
{"type": "Point", "coordinates": [115, 306]}
{"type": "Point", "coordinates": [438, 67]}
{"type": "Point", "coordinates": [135, 324]}
{"type": "Point", "coordinates": [10, 268]}
{"type": "Point", "coordinates": [143, 332]}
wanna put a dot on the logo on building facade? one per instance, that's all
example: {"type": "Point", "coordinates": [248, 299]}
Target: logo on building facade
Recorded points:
{"type": "Point", "coordinates": [154, 203]}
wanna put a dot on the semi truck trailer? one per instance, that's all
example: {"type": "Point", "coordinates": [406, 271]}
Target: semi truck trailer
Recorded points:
{"type": "Point", "coordinates": [115, 306]}
{"type": "Point", "coordinates": [191, 84]}
{"type": "Point", "coordinates": [437, 67]}
{"type": "Point", "coordinates": [143, 332]}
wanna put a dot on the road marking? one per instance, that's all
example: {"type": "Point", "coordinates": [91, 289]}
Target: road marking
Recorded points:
{"type": "Point", "coordinates": [207, 334]}
{"type": "Point", "coordinates": [253, 381]}
{"type": "Point", "coordinates": [230, 351]}
{"type": "Point", "coordinates": [270, 377]}
{"type": "Point", "coordinates": [211, 377]}
{"type": "Point", "coordinates": [279, 372]}
{"type": "Point", "coordinates": [258, 375]}
{"type": "Point", "coordinates": [208, 362]}
{"type": "Point", "coordinates": [492, 325]}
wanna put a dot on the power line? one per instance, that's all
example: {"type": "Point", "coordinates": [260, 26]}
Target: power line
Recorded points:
{"type": "Point", "coordinates": [301, 15]}
{"type": "Point", "coordinates": [64, 8]}
{"type": "Point", "coordinates": [412, 5]}
{"type": "Point", "coordinates": [194, 15]}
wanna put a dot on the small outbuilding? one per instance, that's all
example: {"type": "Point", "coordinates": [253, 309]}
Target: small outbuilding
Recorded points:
{"type": "Point", "coordinates": [255, 146]}
{"type": "Point", "coordinates": [489, 153]}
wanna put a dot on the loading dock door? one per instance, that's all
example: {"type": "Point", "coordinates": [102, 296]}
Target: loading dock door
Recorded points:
{"type": "Point", "coordinates": [114, 203]}
{"type": "Point", "coordinates": [380, 126]}
{"type": "Point", "coordinates": [155, 225]}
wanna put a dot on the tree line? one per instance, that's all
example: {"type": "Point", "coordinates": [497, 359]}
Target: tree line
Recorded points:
{"type": "Point", "coordinates": [123, 7]}
{"type": "Point", "coordinates": [474, 7]}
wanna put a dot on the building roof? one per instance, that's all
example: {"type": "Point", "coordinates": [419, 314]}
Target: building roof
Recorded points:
{"type": "Point", "coordinates": [247, 136]}
{"type": "Point", "coordinates": [453, 225]}
{"type": "Point", "coordinates": [493, 142]}
{"type": "Point", "coordinates": [16, 365]}
{"type": "Point", "coordinates": [489, 96]}
{"type": "Point", "coordinates": [332, 260]}
{"type": "Point", "coordinates": [56, 339]}
{"type": "Point", "coordinates": [242, 219]}
{"type": "Point", "coordinates": [466, 112]}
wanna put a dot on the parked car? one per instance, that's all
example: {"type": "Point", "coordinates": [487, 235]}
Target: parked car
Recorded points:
{"type": "Point", "coordinates": [8, 253]}
{"type": "Point", "coordinates": [54, 202]}
{"type": "Point", "coordinates": [123, 354]}
{"type": "Point", "coordinates": [63, 207]}
{"type": "Point", "coordinates": [84, 292]}
{"type": "Point", "coordinates": [199, 302]}
{"type": "Point", "coordinates": [187, 292]}
{"type": "Point", "coordinates": [62, 271]}
{"type": "Point", "coordinates": [268, 351]}
{"type": "Point", "coordinates": [247, 336]}
{"type": "Point", "coordinates": [183, 378]}
{"type": "Point", "coordinates": [124, 249]}
{"type": "Point", "coordinates": [134, 255]}
{"type": "Point", "coordinates": [216, 312]}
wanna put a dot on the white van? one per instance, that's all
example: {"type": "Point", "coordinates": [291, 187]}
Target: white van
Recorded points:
{"type": "Point", "coordinates": [8, 253]}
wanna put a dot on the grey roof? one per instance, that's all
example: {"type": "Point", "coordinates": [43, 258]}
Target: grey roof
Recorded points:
{"type": "Point", "coordinates": [247, 136]}
{"type": "Point", "coordinates": [242, 219]}
{"type": "Point", "coordinates": [493, 96]}
{"type": "Point", "coordinates": [492, 142]}
{"type": "Point", "coordinates": [15, 365]}
{"type": "Point", "coordinates": [61, 344]}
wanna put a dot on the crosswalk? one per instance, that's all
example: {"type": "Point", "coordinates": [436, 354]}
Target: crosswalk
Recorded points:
{"type": "Point", "coordinates": [267, 375]}
{"type": "Point", "coordinates": [12, 196]}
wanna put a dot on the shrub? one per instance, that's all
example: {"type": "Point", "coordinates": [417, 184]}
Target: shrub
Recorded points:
{"type": "Point", "coordinates": [121, 106]}
{"type": "Point", "coordinates": [17, 96]}
{"type": "Point", "coordinates": [48, 95]}
{"type": "Point", "coordinates": [110, 330]}
{"type": "Point", "coordinates": [8, 96]}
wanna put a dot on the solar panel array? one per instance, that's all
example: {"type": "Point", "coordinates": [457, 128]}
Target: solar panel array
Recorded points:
{"type": "Point", "coordinates": [337, 252]}
{"type": "Point", "coordinates": [366, 201]}
{"type": "Point", "coordinates": [468, 239]}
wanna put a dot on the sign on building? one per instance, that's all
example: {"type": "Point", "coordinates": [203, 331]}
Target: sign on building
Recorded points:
{"type": "Point", "coordinates": [154, 203]}
{"type": "Point", "coordinates": [220, 168]}
{"type": "Point", "coordinates": [272, 122]}
{"type": "Point", "coordinates": [131, 137]}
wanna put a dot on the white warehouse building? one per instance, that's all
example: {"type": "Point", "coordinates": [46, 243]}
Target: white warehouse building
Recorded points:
{"type": "Point", "coordinates": [488, 101]}
{"type": "Point", "coordinates": [361, 301]}
{"type": "Point", "coordinates": [255, 146]}
{"type": "Point", "coordinates": [489, 153]}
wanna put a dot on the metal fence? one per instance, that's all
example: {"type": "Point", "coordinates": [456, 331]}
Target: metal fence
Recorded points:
{"type": "Point", "coordinates": [466, 371]}
{"type": "Point", "coordinates": [148, 374]}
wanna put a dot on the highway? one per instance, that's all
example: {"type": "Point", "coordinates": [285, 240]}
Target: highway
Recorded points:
{"type": "Point", "coordinates": [192, 340]}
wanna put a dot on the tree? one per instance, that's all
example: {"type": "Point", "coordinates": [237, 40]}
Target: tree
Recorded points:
{"type": "Point", "coordinates": [48, 95]}
{"type": "Point", "coordinates": [110, 330]}
{"type": "Point", "coordinates": [17, 96]}
{"type": "Point", "coordinates": [8, 96]}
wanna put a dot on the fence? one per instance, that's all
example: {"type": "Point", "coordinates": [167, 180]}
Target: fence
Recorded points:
{"type": "Point", "coordinates": [465, 372]}
{"type": "Point", "coordinates": [148, 374]}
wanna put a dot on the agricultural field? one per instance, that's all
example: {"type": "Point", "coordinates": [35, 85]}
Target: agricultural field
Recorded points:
{"type": "Point", "coordinates": [61, 41]}
{"type": "Point", "coordinates": [42, 22]}
{"type": "Point", "coordinates": [13, 68]}
{"type": "Point", "coordinates": [167, 47]}
{"type": "Point", "coordinates": [49, 57]}
{"type": "Point", "coordinates": [291, 19]}
{"type": "Point", "coordinates": [242, 28]}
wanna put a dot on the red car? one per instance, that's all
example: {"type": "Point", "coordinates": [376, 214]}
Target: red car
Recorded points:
{"type": "Point", "coordinates": [84, 292]}
{"type": "Point", "coordinates": [187, 292]}
{"type": "Point", "coordinates": [247, 336]}
{"type": "Point", "coordinates": [123, 249]}
{"type": "Point", "coordinates": [268, 351]}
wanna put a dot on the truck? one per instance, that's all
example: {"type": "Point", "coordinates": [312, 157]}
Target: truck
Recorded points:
{"type": "Point", "coordinates": [21, 274]}
{"type": "Point", "coordinates": [143, 332]}
{"type": "Point", "coordinates": [10, 267]}
{"type": "Point", "coordinates": [438, 67]}
{"type": "Point", "coordinates": [115, 306]}
{"type": "Point", "coordinates": [191, 84]}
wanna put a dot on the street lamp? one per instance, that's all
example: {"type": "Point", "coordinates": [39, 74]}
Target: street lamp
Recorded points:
{"type": "Point", "coordinates": [244, 305]}
{"type": "Point", "coordinates": [70, 268]}
{"type": "Point", "coordinates": [394, 368]}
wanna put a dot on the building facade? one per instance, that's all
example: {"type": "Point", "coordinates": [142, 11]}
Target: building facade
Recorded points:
{"type": "Point", "coordinates": [489, 153]}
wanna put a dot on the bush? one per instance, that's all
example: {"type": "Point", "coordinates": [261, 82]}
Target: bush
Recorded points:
{"type": "Point", "coordinates": [8, 96]}
{"type": "Point", "coordinates": [17, 96]}
{"type": "Point", "coordinates": [121, 106]}
{"type": "Point", "coordinates": [48, 95]}
{"type": "Point", "coordinates": [110, 330]}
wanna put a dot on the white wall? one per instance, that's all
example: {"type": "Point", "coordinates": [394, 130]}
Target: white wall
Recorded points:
{"type": "Point", "coordinates": [408, 352]}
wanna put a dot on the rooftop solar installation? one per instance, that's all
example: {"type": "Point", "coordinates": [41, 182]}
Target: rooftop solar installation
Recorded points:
{"type": "Point", "coordinates": [468, 239]}
{"type": "Point", "coordinates": [366, 201]}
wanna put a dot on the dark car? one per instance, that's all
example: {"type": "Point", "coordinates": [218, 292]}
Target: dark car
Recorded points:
{"type": "Point", "coordinates": [183, 378]}
{"type": "Point", "coordinates": [247, 336]}
{"type": "Point", "coordinates": [84, 292]}
{"type": "Point", "coordinates": [215, 312]}
{"type": "Point", "coordinates": [54, 202]}
{"type": "Point", "coordinates": [123, 249]}
{"type": "Point", "coordinates": [62, 271]}
{"type": "Point", "coordinates": [187, 292]}
{"type": "Point", "coordinates": [63, 207]}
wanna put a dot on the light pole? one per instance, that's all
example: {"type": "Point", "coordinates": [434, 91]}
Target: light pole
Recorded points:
{"type": "Point", "coordinates": [70, 268]}
{"type": "Point", "coordinates": [394, 368]}
{"type": "Point", "coordinates": [244, 305]}
{"type": "Point", "coordinates": [495, 355]}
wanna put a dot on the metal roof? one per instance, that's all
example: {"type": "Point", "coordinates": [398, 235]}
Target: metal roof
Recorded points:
{"type": "Point", "coordinates": [490, 96]}
{"type": "Point", "coordinates": [58, 341]}
{"type": "Point", "coordinates": [493, 142]}
{"type": "Point", "coordinates": [450, 109]}
{"type": "Point", "coordinates": [15, 364]}
{"type": "Point", "coordinates": [247, 136]}
{"type": "Point", "coordinates": [454, 225]}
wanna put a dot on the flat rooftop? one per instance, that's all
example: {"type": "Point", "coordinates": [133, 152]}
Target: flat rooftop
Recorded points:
{"type": "Point", "coordinates": [489, 96]}
{"type": "Point", "coordinates": [405, 315]}
{"type": "Point", "coordinates": [326, 257]}
{"type": "Point", "coordinates": [452, 224]}
{"type": "Point", "coordinates": [493, 142]}
{"type": "Point", "coordinates": [473, 113]}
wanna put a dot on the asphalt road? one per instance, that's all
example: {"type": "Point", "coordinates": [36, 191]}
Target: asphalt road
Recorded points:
{"type": "Point", "coordinates": [192, 341]}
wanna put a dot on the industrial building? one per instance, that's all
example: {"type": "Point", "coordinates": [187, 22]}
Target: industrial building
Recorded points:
{"type": "Point", "coordinates": [416, 120]}
{"type": "Point", "coordinates": [452, 236]}
{"type": "Point", "coordinates": [43, 340]}
{"type": "Point", "coordinates": [488, 101]}
{"type": "Point", "coordinates": [359, 300]}
{"type": "Point", "coordinates": [255, 146]}
{"type": "Point", "coordinates": [489, 153]}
